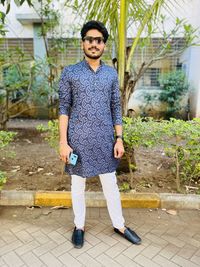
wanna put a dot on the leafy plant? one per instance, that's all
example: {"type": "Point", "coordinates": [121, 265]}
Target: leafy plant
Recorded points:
{"type": "Point", "coordinates": [5, 139]}
{"type": "Point", "coordinates": [51, 133]}
{"type": "Point", "coordinates": [180, 140]}
{"type": "Point", "coordinates": [174, 86]}
{"type": "Point", "coordinates": [140, 132]}
{"type": "Point", "coordinates": [3, 179]}
{"type": "Point", "coordinates": [125, 187]}
{"type": "Point", "coordinates": [184, 148]}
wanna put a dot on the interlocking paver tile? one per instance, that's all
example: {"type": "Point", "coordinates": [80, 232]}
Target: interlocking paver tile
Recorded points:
{"type": "Point", "coordinates": [159, 230]}
{"type": "Point", "coordinates": [19, 227]}
{"type": "Point", "coordinates": [144, 261]}
{"type": "Point", "coordinates": [151, 251]}
{"type": "Point", "coordinates": [126, 261]}
{"type": "Point", "coordinates": [195, 259]}
{"type": "Point", "coordinates": [105, 260]}
{"type": "Point", "coordinates": [10, 247]}
{"type": "Point", "coordinates": [162, 261]}
{"type": "Point", "coordinates": [27, 247]}
{"type": "Point", "coordinates": [156, 239]}
{"type": "Point", "coordinates": [97, 228]}
{"type": "Point", "coordinates": [32, 228]}
{"type": "Point", "coordinates": [69, 260]}
{"type": "Point", "coordinates": [187, 251]}
{"type": "Point", "coordinates": [2, 262]}
{"type": "Point", "coordinates": [175, 231]}
{"type": "Point", "coordinates": [115, 250]}
{"type": "Point", "coordinates": [11, 259]}
{"type": "Point", "coordinates": [88, 261]}
{"type": "Point", "coordinates": [98, 249]}
{"type": "Point", "coordinates": [58, 238]}
{"type": "Point", "coordinates": [61, 249]}
{"type": "Point", "coordinates": [24, 236]}
{"type": "Point", "coordinates": [44, 248]}
{"type": "Point", "coordinates": [39, 238]}
{"type": "Point", "coordinates": [174, 240]}
{"type": "Point", "coordinates": [169, 251]}
{"type": "Point", "coordinates": [106, 239]}
{"type": "Point", "coordinates": [92, 239]}
{"type": "Point", "coordinates": [50, 260]}
{"type": "Point", "coordinates": [183, 262]}
{"type": "Point", "coordinates": [8, 236]}
{"type": "Point", "coordinates": [190, 240]}
{"type": "Point", "coordinates": [31, 260]}
{"type": "Point", "coordinates": [2, 242]}
{"type": "Point", "coordinates": [133, 251]}
{"type": "Point", "coordinates": [198, 252]}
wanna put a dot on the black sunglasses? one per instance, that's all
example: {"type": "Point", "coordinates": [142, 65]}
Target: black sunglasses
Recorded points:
{"type": "Point", "coordinates": [90, 39]}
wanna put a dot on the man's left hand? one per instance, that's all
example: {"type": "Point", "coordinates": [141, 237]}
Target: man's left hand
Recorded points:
{"type": "Point", "coordinates": [118, 149]}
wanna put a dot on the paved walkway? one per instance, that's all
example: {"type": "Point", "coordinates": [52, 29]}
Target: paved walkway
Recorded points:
{"type": "Point", "coordinates": [42, 237]}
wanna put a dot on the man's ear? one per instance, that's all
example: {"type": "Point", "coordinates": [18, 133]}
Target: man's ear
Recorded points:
{"type": "Point", "coordinates": [81, 44]}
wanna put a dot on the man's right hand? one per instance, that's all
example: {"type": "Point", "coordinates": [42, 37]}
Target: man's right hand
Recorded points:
{"type": "Point", "coordinates": [64, 152]}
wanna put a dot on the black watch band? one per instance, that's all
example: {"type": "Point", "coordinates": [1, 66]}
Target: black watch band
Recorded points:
{"type": "Point", "coordinates": [119, 136]}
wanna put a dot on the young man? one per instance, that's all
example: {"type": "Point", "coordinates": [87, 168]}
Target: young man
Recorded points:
{"type": "Point", "coordinates": [89, 114]}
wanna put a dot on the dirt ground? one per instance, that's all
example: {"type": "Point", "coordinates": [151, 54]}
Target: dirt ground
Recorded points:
{"type": "Point", "coordinates": [36, 166]}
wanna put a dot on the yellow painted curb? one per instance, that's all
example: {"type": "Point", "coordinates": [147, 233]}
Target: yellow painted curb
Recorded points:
{"type": "Point", "coordinates": [140, 200]}
{"type": "Point", "coordinates": [97, 199]}
{"type": "Point", "coordinates": [53, 199]}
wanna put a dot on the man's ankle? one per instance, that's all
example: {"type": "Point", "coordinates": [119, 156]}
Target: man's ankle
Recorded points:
{"type": "Point", "coordinates": [82, 228]}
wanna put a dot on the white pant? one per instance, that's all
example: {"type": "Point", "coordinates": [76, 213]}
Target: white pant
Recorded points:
{"type": "Point", "coordinates": [111, 193]}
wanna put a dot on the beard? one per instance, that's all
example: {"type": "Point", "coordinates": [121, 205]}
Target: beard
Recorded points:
{"type": "Point", "coordinates": [90, 55]}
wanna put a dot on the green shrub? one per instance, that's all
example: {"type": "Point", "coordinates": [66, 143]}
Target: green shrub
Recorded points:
{"type": "Point", "coordinates": [5, 139]}
{"type": "Point", "coordinates": [180, 140]}
{"type": "Point", "coordinates": [174, 86]}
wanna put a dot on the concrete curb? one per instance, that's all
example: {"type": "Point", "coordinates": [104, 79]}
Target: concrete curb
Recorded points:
{"type": "Point", "coordinates": [97, 199]}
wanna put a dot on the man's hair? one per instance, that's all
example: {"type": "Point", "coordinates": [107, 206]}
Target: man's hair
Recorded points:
{"type": "Point", "coordinates": [94, 24]}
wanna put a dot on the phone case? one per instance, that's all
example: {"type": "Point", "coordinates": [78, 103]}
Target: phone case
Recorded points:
{"type": "Point", "coordinates": [73, 159]}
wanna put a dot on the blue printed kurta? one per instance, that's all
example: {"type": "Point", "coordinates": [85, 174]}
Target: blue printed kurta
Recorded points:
{"type": "Point", "coordinates": [92, 102]}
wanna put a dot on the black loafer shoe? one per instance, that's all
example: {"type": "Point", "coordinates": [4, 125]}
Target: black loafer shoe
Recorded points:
{"type": "Point", "coordinates": [130, 235]}
{"type": "Point", "coordinates": [78, 237]}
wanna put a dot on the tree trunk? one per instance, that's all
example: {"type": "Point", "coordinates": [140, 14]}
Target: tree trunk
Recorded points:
{"type": "Point", "coordinates": [131, 162]}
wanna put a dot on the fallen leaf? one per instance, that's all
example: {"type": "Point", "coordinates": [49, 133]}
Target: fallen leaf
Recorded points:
{"type": "Point", "coordinates": [30, 208]}
{"type": "Point", "coordinates": [40, 169]}
{"type": "Point", "coordinates": [171, 212]}
{"type": "Point", "coordinates": [16, 170]}
{"type": "Point", "coordinates": [28, 141]}
{"type": "Point", "coordinates": [16, 167]}
{"type": "Point", "coordinates": [47, 212]}
{"type": "Point", "coordinates": [158, 168]}
{"type": "Point", "coordinates": [59, 207]}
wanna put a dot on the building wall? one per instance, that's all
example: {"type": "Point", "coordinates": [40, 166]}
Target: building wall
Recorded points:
{"type": "Point", "coordinates": [191, 65]}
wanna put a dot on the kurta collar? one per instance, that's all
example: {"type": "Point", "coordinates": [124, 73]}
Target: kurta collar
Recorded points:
{"type": "Point", "coordinates": [87, 65]}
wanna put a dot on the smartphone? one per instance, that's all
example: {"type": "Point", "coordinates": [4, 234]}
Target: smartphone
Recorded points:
{"type": "Point", "coordinates": [73, 158]}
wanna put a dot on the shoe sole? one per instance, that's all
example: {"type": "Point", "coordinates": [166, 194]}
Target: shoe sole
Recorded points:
{"type": "Point", "coordinates": [77, 246]}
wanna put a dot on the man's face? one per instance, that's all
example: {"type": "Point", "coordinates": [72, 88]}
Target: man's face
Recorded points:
{"type": "Point", "coordinates": [93, 44]}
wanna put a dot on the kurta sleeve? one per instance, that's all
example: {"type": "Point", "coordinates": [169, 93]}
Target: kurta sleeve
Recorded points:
{"type": "Point", "coordinates": [65, 93]}
{"type": "Point", "coordinates": [115, 102]}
